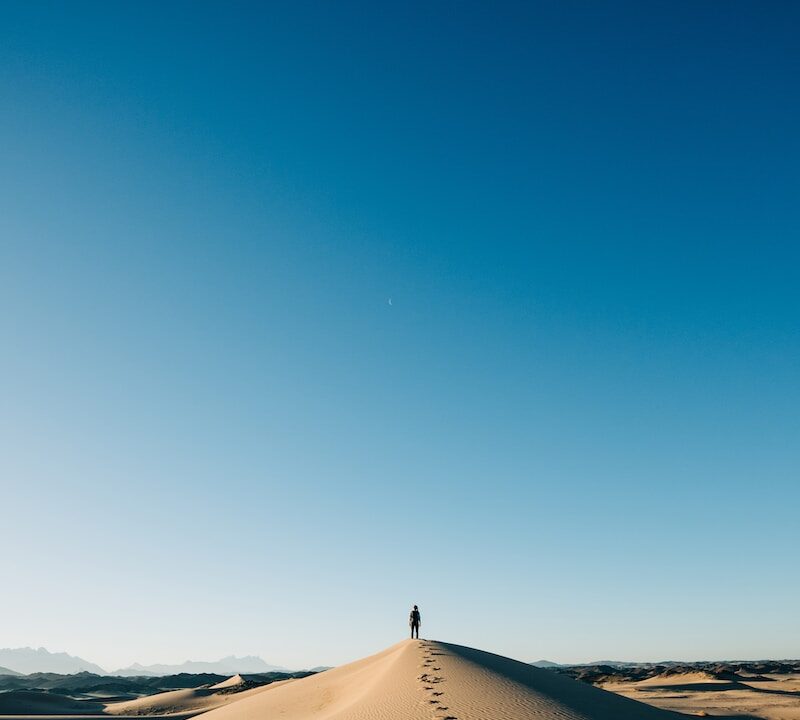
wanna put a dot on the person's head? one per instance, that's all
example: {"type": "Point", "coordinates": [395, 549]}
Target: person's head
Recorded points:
{"type": "Point", "coordinates": [415, 607]}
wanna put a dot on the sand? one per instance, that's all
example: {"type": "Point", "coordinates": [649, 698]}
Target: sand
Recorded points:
{"type": "Point", "coordinates": [189, 702]}
{"type": "Point", "coordinates": [695, 694]}
{"type": "Point", "coordinates": [231, 682]}
{"type": "Point", "coordinates": [426, 680]}
{"type": "Point", "coordinates": [429, 680]}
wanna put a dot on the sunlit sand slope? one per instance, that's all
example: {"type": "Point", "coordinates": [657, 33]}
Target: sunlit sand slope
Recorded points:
{"type": "Point", "coordinates": [427, 680]}
{"type": "Point", "coordinates": [194, 701]}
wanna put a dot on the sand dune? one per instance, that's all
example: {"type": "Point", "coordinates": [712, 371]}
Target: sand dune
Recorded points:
{"type": "Point", "coordinates": [683, 678]}
{"type": "Point", "coordinates": [233, 681]}
{"type": "Point", "coordinates": [426, 680]}
{"type": "Point", "coordinates": [175, 701]}
{"type": "Point", "coordinates": [194, 701]}
{"type": "Point", "coordinates": [694, 693]}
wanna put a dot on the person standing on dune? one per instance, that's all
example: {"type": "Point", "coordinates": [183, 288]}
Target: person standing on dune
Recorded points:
{"type": "Point", "coordinates": [415, 620]}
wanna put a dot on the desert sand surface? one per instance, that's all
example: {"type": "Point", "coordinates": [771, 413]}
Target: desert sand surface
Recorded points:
{"type": "Point", "coordinates": [774, 698]}
{"type": "Point", "coordinates": [188, 702]}
{"type": "Point", "coordinates": [427, 680]}
{"type": "Point", "coordinates": [431, 680]}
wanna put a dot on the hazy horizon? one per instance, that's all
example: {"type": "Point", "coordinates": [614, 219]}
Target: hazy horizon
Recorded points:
{"type": "Point", "coordinates": [313, 312]}
{"type": "Point", "coordinates": [318, 665]}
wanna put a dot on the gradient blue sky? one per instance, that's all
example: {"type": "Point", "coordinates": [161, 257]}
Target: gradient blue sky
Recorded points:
{"type": "Point", "coordinates": [574, 432]}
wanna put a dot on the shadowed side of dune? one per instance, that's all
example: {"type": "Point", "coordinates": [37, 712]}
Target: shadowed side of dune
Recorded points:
{"type": "Point", "coordinates": [502, 684]}
{"type": "Point", "coordinates": [477, 683]}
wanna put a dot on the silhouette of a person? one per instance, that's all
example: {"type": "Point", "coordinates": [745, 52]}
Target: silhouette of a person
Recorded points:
{"type": "Point", "coordinates": [415, 620]}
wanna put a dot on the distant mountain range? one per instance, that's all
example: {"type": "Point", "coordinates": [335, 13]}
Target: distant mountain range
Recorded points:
{"type": "Point", "coordinates": [226, 666]}
{"type": "Point", "coordinates": [29, 660]}
{"type": "Point", "coordinates": [610, 663]}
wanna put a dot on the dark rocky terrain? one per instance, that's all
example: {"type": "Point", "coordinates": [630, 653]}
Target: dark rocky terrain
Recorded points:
{"type": "Point", "coordinates": [732, 671]}
{"type": "Point", "coordinates": [86, 693]}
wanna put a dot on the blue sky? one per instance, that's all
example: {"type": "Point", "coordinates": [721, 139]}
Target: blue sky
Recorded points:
{"type": "Point", "coordinates": [573, 433]}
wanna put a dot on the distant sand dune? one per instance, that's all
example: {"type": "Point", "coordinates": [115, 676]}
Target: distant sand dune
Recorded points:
{"type": "Point", "coordinates": [194, 701]}
{"type": "Point", "coordinates": [704, 694]}
{"type": "Point", "coordinates": [666, 680]}
{"type": "Point", "coordinates": [686, 677]}
{"type": "Point", "coordinates": [234, 681]}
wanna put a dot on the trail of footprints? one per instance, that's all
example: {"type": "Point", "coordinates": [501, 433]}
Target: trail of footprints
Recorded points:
{"type": "Point", "coordinates": [431, 684]}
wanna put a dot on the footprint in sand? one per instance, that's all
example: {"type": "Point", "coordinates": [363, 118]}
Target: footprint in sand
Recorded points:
{"type": "Point", "coordinates": [430, 678]}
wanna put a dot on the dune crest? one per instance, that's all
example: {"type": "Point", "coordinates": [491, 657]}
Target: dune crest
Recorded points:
{"type": "Point", "coordinates": [429, 680]}
{"type": "Point", "coordinates": [233, 681]}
